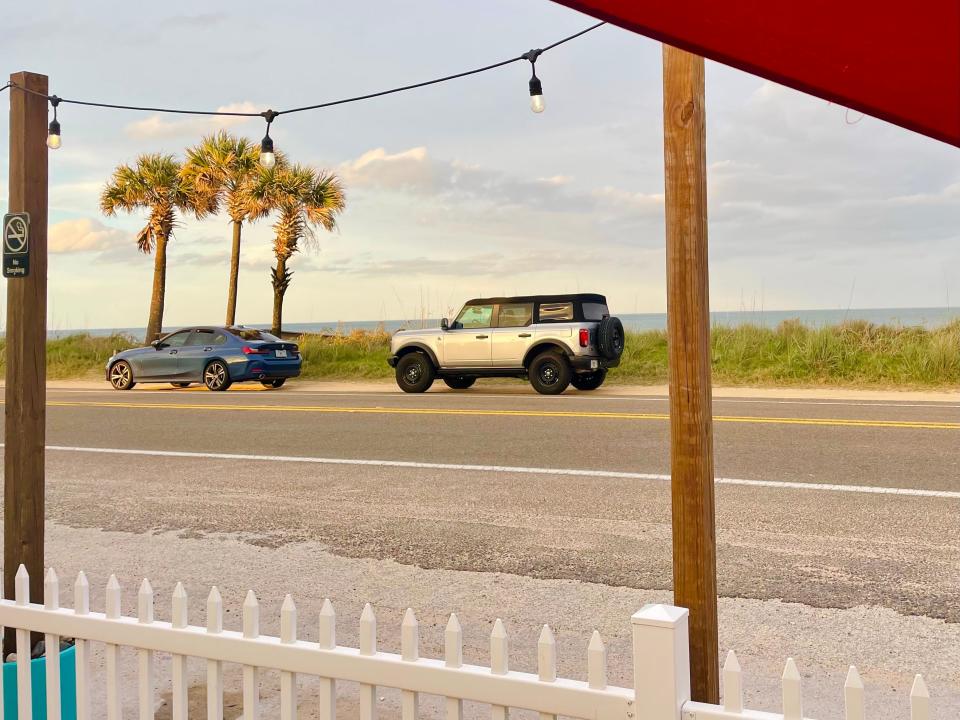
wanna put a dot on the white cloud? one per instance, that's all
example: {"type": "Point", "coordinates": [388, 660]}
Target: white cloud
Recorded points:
{"type": "Point", "coordinates": [159, 126]}
{"type": "Point", "coordinates": [633, 202]}
{"type": "Point", "coordinates": [407, 170]}
{"type": "Point", "coordinates": [948, 195]}
{"type": "Point", "coordinates": [84, 235]}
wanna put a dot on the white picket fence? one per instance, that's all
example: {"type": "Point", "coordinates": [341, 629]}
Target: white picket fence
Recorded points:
{"type": "Point", "coordinates": [660, 655]}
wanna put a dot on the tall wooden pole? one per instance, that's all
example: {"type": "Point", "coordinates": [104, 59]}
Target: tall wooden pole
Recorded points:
{"type": "Point", "coordinates": [688, 328]}
{"type": "Point", "coordinates": [25, 409]}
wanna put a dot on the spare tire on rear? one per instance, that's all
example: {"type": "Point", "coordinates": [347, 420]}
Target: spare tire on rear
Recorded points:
{"type": "Point", "coordinates": [610, 338]}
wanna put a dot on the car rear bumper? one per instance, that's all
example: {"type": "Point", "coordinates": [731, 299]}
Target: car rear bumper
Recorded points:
{"type": "Point", "coordinates": [592, 363]}
{"type": "Point", "coordinates": [267, 370]}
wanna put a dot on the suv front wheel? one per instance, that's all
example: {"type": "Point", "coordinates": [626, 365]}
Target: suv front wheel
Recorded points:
{"type": "Point", "coordinates": [415, 373]}
{"type": "Point", "coordinates": [550, 373]}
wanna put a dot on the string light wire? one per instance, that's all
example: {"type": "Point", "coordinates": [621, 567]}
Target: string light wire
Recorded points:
{"type": "Point", "coordinates": [316, 106]}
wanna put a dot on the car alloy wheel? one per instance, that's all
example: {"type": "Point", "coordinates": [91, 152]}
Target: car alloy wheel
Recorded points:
{"type": "Point", "coordinates": [549, 373]}
{"type": "Point", "coordinates": [215, 376]}
{"type": "Point", "coordinates": [121, 377]}
{"type": "Point", "coordinates": [413, 373]}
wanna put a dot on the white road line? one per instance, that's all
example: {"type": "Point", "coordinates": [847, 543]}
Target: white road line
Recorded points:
{"type": "Point", "coordinates": [861, 489]}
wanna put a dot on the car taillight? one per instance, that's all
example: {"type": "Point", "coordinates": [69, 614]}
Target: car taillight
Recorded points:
{"type": "Point", "coordinates": [248, 350]}
{"type": "Point", "coordinates": [584, 337]}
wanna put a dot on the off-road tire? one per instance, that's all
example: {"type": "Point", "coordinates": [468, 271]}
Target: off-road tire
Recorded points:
{"type": "Point", "coordinates": [589, 381]}
{"type": "Point", "coordinates": [121, 375]}
{"type": "Point", "coordinates": [415, 373]}
{"type": "Point", "coordinates": [550, 373]}
{"type": "Point", "coordinates": [460, 382]}
{"type": "Point", "coordinates": [216, 376]}
{"type": "Point", "coordinates": [275, 383]}
{"type": "Point", "coordinates": [610, 338]}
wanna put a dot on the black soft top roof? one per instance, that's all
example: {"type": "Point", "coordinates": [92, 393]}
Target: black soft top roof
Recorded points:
{"type": "Point", "coordinates": [540, 299]}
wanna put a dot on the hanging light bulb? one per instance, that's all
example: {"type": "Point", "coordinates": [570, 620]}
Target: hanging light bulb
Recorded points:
{"type": "Point", "coordinates": [267, 157]}
{"type": "Point", "coordinates": [536, 94]}
{"type": "Point", "coordinates": [53, 131]}
{"type": "Point", "coordinates": [536, 88]}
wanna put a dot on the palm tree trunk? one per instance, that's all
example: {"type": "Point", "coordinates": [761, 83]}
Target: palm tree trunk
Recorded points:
{"type": "Point", "coordinates": [155, 320]}
{"type": "Point", "coordinates": [234, 275]}
{"type": "Point", "coordinates": [279, 288]}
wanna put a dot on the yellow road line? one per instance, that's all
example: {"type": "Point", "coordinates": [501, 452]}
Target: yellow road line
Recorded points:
{"type": "Point", "coordinates": [334, 409]}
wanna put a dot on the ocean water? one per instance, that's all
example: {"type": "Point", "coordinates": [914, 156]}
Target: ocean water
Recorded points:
{"type": "Point", "coordinates": [905, 317]}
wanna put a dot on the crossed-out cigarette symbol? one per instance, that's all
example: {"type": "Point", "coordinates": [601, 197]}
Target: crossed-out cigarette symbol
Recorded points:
{"type": "Point", "coordinates": [15, 236]}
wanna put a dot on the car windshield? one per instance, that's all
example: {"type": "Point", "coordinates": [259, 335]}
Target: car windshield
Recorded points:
{"type": "Point", "coordinates": [253, 334]}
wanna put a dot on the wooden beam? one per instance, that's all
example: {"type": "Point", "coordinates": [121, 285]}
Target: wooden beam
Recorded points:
{"type": "Point", "coordinates": [688, 328]}
{"type": "Point", "coordinates": [26, 348]}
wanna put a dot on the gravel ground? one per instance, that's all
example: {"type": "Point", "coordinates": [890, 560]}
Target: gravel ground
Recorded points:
{"type": "Point", "coordinates": [887, 647]}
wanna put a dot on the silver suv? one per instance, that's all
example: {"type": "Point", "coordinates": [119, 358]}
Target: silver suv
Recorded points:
{"type": "Point", "coordinates": [554, 340]}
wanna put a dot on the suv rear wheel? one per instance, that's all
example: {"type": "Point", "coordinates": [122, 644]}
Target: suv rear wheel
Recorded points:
{"type": "Point", "coordinates": [460, 382]}
{"type": "Point", "coordinates": [415, 373]}
{"type": "Point", "coordinates": [550, 373]}
{"type": "Point", "coordinates": [589, 381]}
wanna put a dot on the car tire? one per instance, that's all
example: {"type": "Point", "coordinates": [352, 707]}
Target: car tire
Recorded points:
{"type": "Point", "coordinates": [589, 381]}
{"type": "Point", "coordinates": [459, 382]}
{"type": "Point", "coordinates": [121, 375]}
{"type": "Point", "coordinates": [275, 383]}
{"type": "Point", "coordinates": [610, 338]}
{"type": "Point", "coordinates": [550, 373]}
{"type": "Point", "coordinates": [415, 373]}
{"type": "Point", "coordinates": [216, 376]}
{"type": "Point", "coordinates": [181, 385]}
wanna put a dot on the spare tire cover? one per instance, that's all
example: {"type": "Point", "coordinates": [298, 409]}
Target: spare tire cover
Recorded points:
{"type": "Point", "coordinates": [610, 338]}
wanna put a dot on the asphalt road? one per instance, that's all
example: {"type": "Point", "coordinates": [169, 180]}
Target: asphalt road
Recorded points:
{"type": "Point", "coordinates": [829, 503]}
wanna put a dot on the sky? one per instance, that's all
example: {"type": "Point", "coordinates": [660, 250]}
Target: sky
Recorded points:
{"type": "Point", "coordinates": [459, 190]}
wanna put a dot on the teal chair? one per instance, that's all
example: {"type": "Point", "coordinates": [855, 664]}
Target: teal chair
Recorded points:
{"type": "Point", "coordinates": [38, 672]}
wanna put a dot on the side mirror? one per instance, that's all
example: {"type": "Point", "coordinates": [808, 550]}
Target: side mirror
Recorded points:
{"type": "Point", "coordinates": [444, 324]}
{"type": "Point", "coordinates": [156, 344]}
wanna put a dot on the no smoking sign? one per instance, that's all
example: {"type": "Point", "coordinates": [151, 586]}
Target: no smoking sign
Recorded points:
{"type": "Point", "coordinates": [16, 245]}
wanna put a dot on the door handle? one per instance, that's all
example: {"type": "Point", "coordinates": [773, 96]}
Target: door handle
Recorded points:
{"type": "Point", "coordinates": [482, 337]}
{"type": "Point", "coordinates": [524, 335]}
{"type": "Point", "coordinates": [173, 352]}
{"type": "Point", "coordinates": [208, 348]}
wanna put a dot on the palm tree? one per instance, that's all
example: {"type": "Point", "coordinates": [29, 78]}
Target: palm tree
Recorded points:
{"type": "Point", "coordinates": [224, 167]}
{"type": "Point", "coordinates": [153, 184]}
{"type": "Point", "coordinates": [305, 199]}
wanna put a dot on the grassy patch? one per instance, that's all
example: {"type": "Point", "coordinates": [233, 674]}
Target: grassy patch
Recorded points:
{"type": "Point", "coordinates": [77, 356]}
{"type": "Point", "coordinates": [359, 355]}
{"type": "Point", "coordinates": [853, 354]}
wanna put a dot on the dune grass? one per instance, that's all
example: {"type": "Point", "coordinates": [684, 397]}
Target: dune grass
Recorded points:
{"type": "Point", "coordinates": [852, 354]}
{"type": "Point", "coordinates": [77, 356]}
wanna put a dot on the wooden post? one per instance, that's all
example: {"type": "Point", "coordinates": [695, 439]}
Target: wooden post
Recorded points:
{"type": "Point", "coordinates": [26, 351]}
{"type": "Point", "coordinates": [688, 328]}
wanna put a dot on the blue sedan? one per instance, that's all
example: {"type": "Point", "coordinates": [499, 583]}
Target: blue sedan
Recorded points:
{"type": "Point", "coordinates": [215, 356]}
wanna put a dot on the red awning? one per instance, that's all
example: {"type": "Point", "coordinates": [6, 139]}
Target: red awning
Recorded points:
{"type": "Point", "coordinates": [895, 60]}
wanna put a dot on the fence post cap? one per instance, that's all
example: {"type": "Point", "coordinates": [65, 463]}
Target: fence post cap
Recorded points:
{"type": "Point", "coordinates": [656, 615]}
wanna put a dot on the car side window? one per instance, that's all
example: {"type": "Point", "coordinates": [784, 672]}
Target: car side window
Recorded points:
{"type": "Point", "coordinates": [556, 312]}
{"type": "Point", "coordinates": [177, 339]}
{"type": "Point", "coordinates": [219, 339]}
{"type": "Point", "coordinates": [474, 316]}
{"type": "Point", "coordinates": [201, 337]}
{"type": "Point", "coordinates": [515, 315]}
